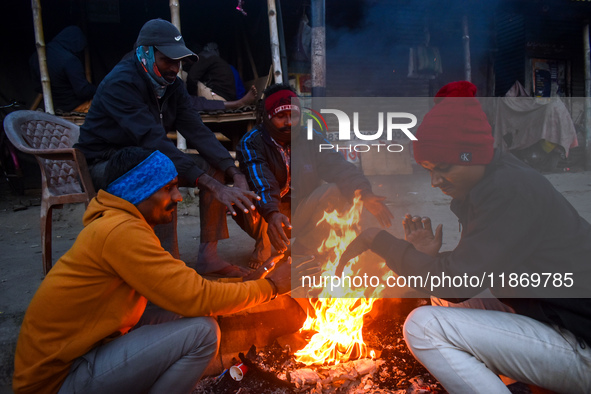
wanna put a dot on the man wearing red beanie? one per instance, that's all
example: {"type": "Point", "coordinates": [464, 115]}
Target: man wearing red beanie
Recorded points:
{"type": "Point", "coordinates": [512, 221]}
{"type": "Point", "coordinates": [317, 179]}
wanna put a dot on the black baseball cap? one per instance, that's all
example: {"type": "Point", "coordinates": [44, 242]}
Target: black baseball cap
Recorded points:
{"type": "Point", "coordinates": [165, 37]}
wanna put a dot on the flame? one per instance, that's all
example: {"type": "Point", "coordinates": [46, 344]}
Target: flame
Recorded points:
{"type": "Point", "coordinates": [338, 322]}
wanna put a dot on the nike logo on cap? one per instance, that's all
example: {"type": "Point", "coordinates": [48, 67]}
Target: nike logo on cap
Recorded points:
{"type": "Point", "coordinates": [178, 38]}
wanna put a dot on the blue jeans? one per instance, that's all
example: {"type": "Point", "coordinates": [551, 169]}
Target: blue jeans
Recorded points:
{"type": "Point", "coordinates": [167, 356]}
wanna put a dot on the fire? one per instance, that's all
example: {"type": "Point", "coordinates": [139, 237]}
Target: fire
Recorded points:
{"type": "Point", "coordinates": [338, 322]}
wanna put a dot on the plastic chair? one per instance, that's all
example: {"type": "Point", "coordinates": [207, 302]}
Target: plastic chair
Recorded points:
{"type": "Point", "coordinates": [64, 174]}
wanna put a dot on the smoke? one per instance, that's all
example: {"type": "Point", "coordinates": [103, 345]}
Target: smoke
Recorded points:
{"type": "Point", "coordinates": [369, 55]}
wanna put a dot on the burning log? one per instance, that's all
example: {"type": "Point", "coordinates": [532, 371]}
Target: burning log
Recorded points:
{"type": "Point", "coordinates": [335, 376]}
{"type": "Point", "coordinates": [304, 377]}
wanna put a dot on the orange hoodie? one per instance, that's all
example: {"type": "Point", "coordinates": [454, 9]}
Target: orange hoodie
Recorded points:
{"type": "Point", "coordinates": [98, 290]}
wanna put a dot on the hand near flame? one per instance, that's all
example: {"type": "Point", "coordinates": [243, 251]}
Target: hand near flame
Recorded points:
{"type": "Point", "coordinates": [419, 232]}
{"type": "Point", "coordinates": [305, 266]}
{"type": "Point", "coordinates": [264, 269]}
{"type": "Point", "coordinates": [359, 245]}
{"type": "Point", "coordinates": [375, 205]}
{"type": "Point", "coordinates": [281, 276]}
{"type": "Point", "coordinates": [276, 233]}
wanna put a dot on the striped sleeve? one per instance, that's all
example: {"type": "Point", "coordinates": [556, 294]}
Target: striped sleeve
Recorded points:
{"type": "Point", "coordinates": [258, 174]}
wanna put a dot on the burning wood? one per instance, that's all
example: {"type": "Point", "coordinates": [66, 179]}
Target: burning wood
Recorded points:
{"type": "Point", "coordinates": [343, 375]}
{"type": "Point", "coordinates": [338, 322]}
{"type": "Point", "coordinates": [274, 370]}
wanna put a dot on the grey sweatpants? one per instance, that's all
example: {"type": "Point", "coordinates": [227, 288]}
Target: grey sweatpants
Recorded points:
{"type": "Point", "coordinates": [164, 353]}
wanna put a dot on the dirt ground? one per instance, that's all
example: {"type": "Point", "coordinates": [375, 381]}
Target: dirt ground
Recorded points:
{"type": "Point", "coordinates": [20, 257]}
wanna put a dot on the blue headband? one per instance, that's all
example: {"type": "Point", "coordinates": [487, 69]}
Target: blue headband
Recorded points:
{"type": "Point", "coordinates": [145, 179]}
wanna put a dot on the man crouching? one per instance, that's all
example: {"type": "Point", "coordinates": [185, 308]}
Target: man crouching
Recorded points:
{"type": "Point", "coordinates": [87, 328]}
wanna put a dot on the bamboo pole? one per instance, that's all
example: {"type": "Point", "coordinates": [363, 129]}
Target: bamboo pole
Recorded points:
{"type": "Point", "coordinates": [175, 16]}
{"type": "Point", "coordinates": [281, 32]}
{"type": "Point", "coordinates": [40, 44]}
{"type": "Point", "coordinates": [466, 40]}
{"type": "Point", "coordinates": [84, 27]}
{"type": "Point", "coordinates": [175, 19]}
{"type": "Point", "coordinates": [318, 49]}
{"type": "Point", "coordinates": [273, 33]}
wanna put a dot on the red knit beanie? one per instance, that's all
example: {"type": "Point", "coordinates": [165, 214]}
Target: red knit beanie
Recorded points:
{"type": "Point", "coordinates": [455, 130]}
{"type": "Point", "coordinates": [282, 101]}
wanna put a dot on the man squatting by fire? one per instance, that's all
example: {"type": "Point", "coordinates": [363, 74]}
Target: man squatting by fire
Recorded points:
{"type": "Point", "coordinates": [87, 329]}
{"type": "Point", "coordinates": [264, 154]}
{"type": "Point", "coordinates": [513, 220]}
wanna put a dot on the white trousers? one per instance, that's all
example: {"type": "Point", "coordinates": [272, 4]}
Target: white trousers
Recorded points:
{"type": "Point", "coordinates": [466, 349]}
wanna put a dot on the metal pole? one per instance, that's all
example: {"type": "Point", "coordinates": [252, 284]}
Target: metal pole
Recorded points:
{"type": "Point", "coordinates": [587, 48]}
{"type": "Point", "coordinates": [175, 19]}
{"type": "Point", "coordinates": [282, 50]}
{"type": "Point", "coordinates": [273, 33]}
{"type": "Point", "coordinates": [466, 39]}
{"type": "Point", "coordinates": [40, 43]}
{"type": "Point", "coordinates": [318, 49]}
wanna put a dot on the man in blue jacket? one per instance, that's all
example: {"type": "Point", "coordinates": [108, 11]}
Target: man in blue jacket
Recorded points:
{"type": "Point", "coordinates": [265, 157]}
{"type": "Point", "coordinates": [136, 104]}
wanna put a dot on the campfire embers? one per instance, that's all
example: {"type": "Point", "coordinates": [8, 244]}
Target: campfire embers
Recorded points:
{"type": "Point", "coordinates": [358, 372]}
{"type": "Point", "coordinates": [273, 369]}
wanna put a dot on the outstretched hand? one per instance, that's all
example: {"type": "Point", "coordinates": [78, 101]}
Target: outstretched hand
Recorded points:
{"type": "Point", "coordinates": [264, 269]}
{"type": "Point", "coordinates": [279, 240]}
{"type": "Point", "coordinates": [359, 245]}
{"type": "Point", "coordinates": [419, 232]}
{"type": "Point", "coordinates": [306, 266]}
{"type": "Point", "coordinates": [281, 276]}
{"type": "Point", "coordinates": [243, 199]}
{"type": "Point", "coordinates": [375, 205]}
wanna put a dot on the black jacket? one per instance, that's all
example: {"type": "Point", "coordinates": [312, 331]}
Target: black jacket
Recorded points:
{"type": "Point", "coordinates": [513, 221]}
{"type": "Point", "coordinates": [266, 173]}
{"type": "Point", "coordinates": [69, 86]}
{"type": "Point", "coordinates": [126, 112]}
{"type": "Point", "coordinates": [215, 73]}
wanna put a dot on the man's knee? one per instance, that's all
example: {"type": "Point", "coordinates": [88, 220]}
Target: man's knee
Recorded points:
{"type": "Point", "coordinates": [203, 337]}
{"type": "Point", "coordinates": [212, 333]}
{"type": "Point", "coordinates": [419, 326]}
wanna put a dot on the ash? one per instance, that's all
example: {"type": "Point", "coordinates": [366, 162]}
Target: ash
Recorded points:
{"type": "Point", "coordinates": [273, 370]}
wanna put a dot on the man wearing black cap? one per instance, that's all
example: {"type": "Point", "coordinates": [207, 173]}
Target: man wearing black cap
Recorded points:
{"type": "Point", "coordinates": [135, 105]}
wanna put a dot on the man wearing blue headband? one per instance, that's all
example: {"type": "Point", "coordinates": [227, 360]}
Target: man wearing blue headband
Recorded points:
{"type": "Point", "coordinates": [87, 329]}
{"type": "Point", "coordinates": [136, 104]}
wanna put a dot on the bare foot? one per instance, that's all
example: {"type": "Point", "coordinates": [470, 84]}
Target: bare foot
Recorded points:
{"type": "Point", "coordinates": [250, 96]}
